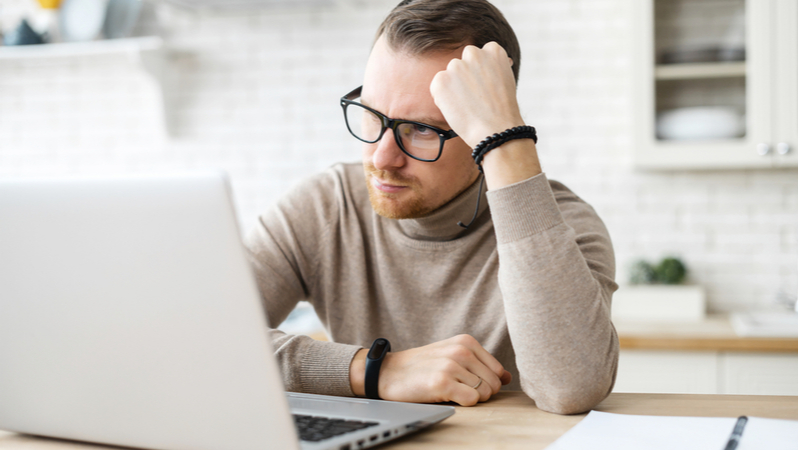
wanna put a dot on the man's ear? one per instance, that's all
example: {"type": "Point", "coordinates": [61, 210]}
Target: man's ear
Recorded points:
{"type": "Point", "coordinates": [511, 61]}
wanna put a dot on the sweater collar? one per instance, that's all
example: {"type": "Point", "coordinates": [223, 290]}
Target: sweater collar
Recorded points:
{"type": "Point", "coordinates": [442, 224]}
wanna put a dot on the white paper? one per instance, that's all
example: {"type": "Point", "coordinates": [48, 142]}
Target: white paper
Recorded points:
{"type": "Point", "coordinates": [601, 430]}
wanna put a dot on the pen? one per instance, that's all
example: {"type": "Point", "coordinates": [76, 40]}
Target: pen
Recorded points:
{"type": "Point", "coordinates": [736, 434]}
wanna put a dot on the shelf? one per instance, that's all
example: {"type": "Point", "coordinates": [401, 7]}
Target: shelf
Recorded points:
{"type": "Point", "coordinates": [700, 70]}
{"type": "Point", "coordinates": [135, 45]}
{"type": "Point", "coordinates": [146, 53]}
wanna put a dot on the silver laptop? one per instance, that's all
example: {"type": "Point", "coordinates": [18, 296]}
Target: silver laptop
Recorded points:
{"type": "Point", "coordinates": [129, 316]}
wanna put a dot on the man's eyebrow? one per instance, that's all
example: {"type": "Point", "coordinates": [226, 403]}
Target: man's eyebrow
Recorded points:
{"type": "Point", "coordinates": [432, 121]}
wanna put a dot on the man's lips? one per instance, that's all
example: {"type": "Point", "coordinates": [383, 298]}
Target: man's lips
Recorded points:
{"type": "Point", "coordinates": [386, 187]}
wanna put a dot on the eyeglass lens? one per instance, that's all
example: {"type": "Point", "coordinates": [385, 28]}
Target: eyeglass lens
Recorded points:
{"type": "Point", "coordinates": [418, 140]}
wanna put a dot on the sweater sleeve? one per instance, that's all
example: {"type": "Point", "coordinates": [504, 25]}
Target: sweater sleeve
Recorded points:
{"type": "Point", "coordinates": [556, 277]}
{"type": "Point", "coordinates": [281, 248]}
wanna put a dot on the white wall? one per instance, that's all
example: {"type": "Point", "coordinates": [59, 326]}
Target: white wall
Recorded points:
{"type": "Point", "coordinates": [256, 93]}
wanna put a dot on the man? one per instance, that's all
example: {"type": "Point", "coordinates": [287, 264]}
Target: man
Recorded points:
{"type": "Point", "coordinates": [520, 298]}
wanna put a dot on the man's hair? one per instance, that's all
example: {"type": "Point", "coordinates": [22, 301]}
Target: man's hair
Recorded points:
{"type": "Point", "coordinates": [429, 26]}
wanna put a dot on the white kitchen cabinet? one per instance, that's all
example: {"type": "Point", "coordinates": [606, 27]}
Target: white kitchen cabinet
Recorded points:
{"type": "Point", "coordinates": [672, 372]}
{"type": "Point", "coordinates": [707, 372]}
{"type": "Point", "coordinates": [758, 374]}
{"type": "Point", "coordinates": [764, 88]}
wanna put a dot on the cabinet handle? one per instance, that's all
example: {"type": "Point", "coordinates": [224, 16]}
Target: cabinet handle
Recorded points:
{"type": "Point", "coordinates": [782, 148]}
{"type": "Point", "coordinates": [762, 149]}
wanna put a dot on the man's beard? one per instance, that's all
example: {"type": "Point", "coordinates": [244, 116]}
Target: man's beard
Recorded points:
{"type": "Point", "coordinates": [388, 205]}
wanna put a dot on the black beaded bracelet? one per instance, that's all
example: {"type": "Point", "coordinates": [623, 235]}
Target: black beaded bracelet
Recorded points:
{"type": "Point", "coordinates": [489, 144]}
{"type": "Point", "coordinates": [498, 139]}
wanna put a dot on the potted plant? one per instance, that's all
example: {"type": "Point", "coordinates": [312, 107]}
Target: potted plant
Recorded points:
{"type": "Point", "coordinates": [658, 293]}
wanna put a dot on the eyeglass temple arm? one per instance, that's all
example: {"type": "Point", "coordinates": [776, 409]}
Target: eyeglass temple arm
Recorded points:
{"type": "Point", "coordinates": [355, 93]}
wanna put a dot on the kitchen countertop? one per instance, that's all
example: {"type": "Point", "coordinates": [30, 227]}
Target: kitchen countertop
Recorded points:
{"type": "Point", "coordinates": [715, 333]}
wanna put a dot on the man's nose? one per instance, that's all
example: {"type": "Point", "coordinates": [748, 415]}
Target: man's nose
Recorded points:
{"type": "Point", "coordinates": [387, 154]}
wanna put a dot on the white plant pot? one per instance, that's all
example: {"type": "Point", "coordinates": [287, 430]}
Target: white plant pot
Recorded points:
{"type": "Point", "coordinates": [659, 303]}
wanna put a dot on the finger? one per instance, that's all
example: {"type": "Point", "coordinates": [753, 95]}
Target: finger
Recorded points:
{"type": "Point", "coordinates": [497, 50]}
{"type": "Point", "coordinates": [490, 362]}
{"type": "Point", "coordinates": [454, 65]}
{"type": "Point", "coordinates": [484, 390]}
{"type": "Point", "coordinates": [470, 52]}
{"type": "Point", "coordinates": [465, 395]}
{"type": "Point", "coordinates": [475, 366]}
{"type": "Point", "coordinates": [492, 46]}
{"type": "Point", "coordinates": [483, 355]}
{"type": "Point", "coordinates": [506, 378]}
{"type": "Point", "coordinates": [467, 378]}
{"type": "Point", "coordinates": [469, 370]}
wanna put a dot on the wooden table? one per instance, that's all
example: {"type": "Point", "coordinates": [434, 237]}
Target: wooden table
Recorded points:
{"type": "Point", "coordinates": [512, 421]}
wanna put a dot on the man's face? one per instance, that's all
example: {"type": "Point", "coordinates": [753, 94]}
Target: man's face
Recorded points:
{"type": "Point", "coordinates": [400, 187]}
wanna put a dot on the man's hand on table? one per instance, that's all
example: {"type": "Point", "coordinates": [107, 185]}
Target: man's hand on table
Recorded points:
{"type": "Point", "coordinates": [444, 371]}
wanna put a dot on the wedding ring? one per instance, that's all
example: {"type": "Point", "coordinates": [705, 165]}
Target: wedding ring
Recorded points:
{"type": "Point", "coordinates": [480, 381]}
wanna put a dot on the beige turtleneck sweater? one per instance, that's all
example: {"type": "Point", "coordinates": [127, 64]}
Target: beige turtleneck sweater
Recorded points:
{"type": "Point", "coordinates": [531, 280]}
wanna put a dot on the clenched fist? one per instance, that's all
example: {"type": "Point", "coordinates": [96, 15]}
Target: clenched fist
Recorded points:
{"type": "Point", "coordinates": [477, 93]}
{"type": "Point", "coordinates": [445, 371]}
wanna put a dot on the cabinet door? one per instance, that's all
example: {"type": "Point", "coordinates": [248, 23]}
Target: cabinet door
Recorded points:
{"type": "Point", "coordinates": [760, 106]}
{"type": "Point", "coordinates": [669, 372]}
{"type": "Point", "coordinates": [785, 82]}
{"type": "Point", "coordinates": [759, 82]}
{"type": "Point", "coordinates": [758, 374]}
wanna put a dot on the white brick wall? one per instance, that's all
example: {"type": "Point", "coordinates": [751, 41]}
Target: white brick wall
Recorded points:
{"type": "Point", "coordinates": [256, 94]}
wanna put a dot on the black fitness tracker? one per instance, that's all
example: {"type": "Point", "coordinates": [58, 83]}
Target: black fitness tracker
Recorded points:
{"type": "Point", "coordinates": [380, 347]}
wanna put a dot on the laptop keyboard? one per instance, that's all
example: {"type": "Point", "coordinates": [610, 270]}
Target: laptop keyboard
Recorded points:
{"type": "Point", "coordinates": [313, 428]}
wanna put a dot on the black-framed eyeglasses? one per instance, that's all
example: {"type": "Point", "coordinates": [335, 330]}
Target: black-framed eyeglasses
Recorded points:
{"type": "Point", "coordinates": [417, 140]}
